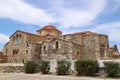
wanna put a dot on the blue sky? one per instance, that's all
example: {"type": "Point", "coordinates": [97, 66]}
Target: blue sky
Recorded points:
{"type": "Point", "coordinates": [102, 16]}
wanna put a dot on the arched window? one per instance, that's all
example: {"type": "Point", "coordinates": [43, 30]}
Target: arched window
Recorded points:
{"type": "Point", "coordinates": [17, 39]}
{"type": "Point", "coordinates": [15, 52]}
{"type": "Point", "coordinates": [56, 45]}
{"type": "Point", "coordinates": [26, 51]}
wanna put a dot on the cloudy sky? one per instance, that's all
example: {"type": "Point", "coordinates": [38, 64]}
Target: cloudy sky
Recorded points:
{"type": "Point", "coordinates": [102, 16]}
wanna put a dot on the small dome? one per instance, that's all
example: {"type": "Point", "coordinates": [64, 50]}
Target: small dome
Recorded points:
{"type": "Point", "coordinates": [48, 27]}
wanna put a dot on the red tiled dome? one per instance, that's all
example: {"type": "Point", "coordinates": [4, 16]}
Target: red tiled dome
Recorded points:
{"type": "Point", "coordinates": [48, 27]}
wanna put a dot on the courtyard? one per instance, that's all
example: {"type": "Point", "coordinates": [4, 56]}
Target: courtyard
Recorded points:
{"type": "Point", "coordinates": [38, 76]}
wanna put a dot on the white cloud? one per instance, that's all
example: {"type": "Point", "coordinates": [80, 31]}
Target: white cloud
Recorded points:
{"type": "Point", "coordinates": [3, 38]}
{"type": "Point", "coordinates": [77, 16]}
{"type": "Point", "coordinates": [112, 29]}
{"type": "Point", "coordinates": [23, 12]}
{"type": "Point", "coordinates": [59, 12]}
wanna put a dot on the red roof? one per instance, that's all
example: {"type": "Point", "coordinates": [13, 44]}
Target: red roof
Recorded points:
{"type": "Point", "coordinates": [49, 27]}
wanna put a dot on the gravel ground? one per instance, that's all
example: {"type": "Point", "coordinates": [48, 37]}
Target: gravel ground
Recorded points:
{"type": "Point", "coordinates": [22, 76]}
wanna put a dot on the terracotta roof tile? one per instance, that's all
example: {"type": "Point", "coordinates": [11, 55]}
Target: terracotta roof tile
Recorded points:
{"type": "Point", "coordinates": [48, 27]}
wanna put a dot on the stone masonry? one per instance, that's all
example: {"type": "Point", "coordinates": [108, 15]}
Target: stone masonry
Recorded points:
{"type": "Point", "coordinates": [50, 44]}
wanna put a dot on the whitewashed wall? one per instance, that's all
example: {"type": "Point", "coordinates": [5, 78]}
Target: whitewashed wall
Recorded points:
{"type": "Point", "coordinates": [53, 64]}
{"type": "Point", "coordinates": [101, 64]}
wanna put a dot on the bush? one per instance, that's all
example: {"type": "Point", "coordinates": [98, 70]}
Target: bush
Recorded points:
{"type": "Point", "coordinates": [63, 67]}
{"type": "Point", "coordinates": [112, 69]}
{"type": "Point", "coordinates": [45, 67]}
{"type": "Point", "coordinates": [86, 67]}
{"type": "Point", "coordinates": [30, 67]}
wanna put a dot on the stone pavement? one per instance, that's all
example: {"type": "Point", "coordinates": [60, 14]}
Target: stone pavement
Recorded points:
{"type": "Point", "coordinates": [23, 76]}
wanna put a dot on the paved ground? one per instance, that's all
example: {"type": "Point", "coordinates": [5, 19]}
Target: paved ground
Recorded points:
{"type": "Point", "coordinates": [22, 76]}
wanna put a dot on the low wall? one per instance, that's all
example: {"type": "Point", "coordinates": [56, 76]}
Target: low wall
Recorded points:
{"type": "Point", "coordinates": [101, 62]}
{"type": "Point", "coordinates": [53, 64]}
{"type": "Point", "coordinates": [11, 67]}
{"type": "Point", "coordinates": [19, 67]}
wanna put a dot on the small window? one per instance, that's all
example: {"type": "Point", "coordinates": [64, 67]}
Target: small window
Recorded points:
{"type": "Point", "coordinates": [102, 51]}
{"type": "Point", "coordinates": [27, 44]}
{"type": "Point", "coordinates": [26, 51]}
{"type": "Point", "coordinates": [44, 47]}
{"type": "Point", "coordinates": [56, 45]}
{"type": "Point", "coordinates": [78, 52]}
{"type": "Point", "coordinates": [15, 51]}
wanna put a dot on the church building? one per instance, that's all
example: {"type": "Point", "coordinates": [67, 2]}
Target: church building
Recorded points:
{"type": "Point", "coordinates": [48, 43]}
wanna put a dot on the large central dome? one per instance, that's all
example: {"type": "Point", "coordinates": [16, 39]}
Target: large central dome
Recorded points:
{"type": "Point", "coordinates": [49, 30]}
{"type": "Point", "coordinates": [48, 27]}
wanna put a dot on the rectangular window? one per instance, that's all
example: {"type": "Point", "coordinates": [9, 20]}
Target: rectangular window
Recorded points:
{"type": "Point", "coordinates": [102, 52]}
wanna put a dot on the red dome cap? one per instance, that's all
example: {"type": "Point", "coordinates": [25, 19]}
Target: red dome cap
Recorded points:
{"type": "Point", "coordinates": [49, 27]}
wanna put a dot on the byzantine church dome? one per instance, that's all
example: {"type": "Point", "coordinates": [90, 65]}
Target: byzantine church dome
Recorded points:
{"type": "Point", "coordinates": [49, 30]}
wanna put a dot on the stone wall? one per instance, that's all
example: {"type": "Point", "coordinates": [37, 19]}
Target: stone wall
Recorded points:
{"type": "Point", "coordinates": [11, 68]}
{"type": "Point", "coordinates": [26, 50]}
{"type": "Point", "coordinates": [90, 43]}
{"type": "Point", "coordinates": [3, 58]}
{"type": "Point", "coordinates": [21, 48]}
{"type": "Point", "coordinates": [60, 49]}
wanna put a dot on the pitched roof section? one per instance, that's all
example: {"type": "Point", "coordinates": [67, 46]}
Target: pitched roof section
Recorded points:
{"type": "Point", "coordinates": [24, 33]}
{"type": "Point", "coordinates": [34, 38]}
{"type": "Point", "coordinates": [84, 33]}
{"type": "Point", "coordinates": [49, 27]}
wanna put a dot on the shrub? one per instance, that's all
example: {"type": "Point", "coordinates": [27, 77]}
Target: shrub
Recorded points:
{"type": "Point", "coordinates": [86, 67]}
{"type": "Point", "coordinates": [112, 68]}
{"type": "Point", "coordinates": [45, 67]}
{"type": "Point", "coordinates": [63, 67]}
{"type": "Point", "coordinates": [30, 67]}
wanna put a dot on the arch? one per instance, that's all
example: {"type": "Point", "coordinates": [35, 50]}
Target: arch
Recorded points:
{"type": "Point", "coordinates": [17, 39]}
